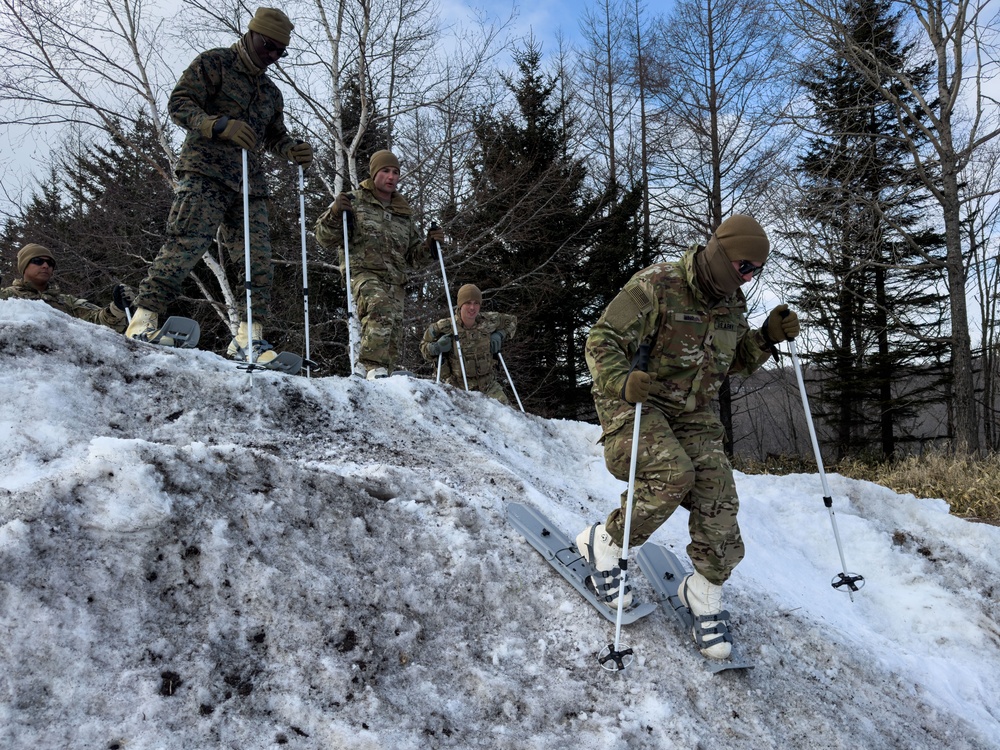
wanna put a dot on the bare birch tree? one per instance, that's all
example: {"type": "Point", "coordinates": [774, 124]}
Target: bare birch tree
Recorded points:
{"type": "Point", "coordinates": [93, 63]}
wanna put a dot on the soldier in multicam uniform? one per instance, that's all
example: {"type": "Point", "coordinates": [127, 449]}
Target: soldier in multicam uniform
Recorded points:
{"type": "Point", "coordinates": [481, 336]}
{"type": "Point", "coordinates": [383, 242]}
{"type": "Point", "coordinates": [226, 103]}
{"type": "Point", "coordinates": [693, 315]}
{"type": "Point", "coordinates": [37, 266]}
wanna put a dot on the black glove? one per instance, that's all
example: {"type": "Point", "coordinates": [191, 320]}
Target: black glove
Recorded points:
{"type": "Point", "coordinates": [442, 345]}
{"type": "Point", "coordinates": [496, 341]}
{"type": "Point", "coordinates": [782, 324]}
{"type": "Point", "coordinates": [123, 297]}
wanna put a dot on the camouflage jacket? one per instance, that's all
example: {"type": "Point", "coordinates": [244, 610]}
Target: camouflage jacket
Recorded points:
{"type": "Point", "coordinates": [383, 243]}
{"type": "Point", "coordinates": [78, 308]}
{"type": "Point", "coordinates": [475, 348]}
{"type": "Point", "coordinates": [694, 343]}
{"type": "Point", "coordinates": [224, 82]}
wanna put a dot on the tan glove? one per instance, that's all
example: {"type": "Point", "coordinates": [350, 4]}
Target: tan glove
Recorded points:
{"type": "Point", "coordinates": [637, 386]}
{"type": "Point", "coordinates": [301, 153]}
{"type": "Point", "coordinates": [239, 133]}
{"type": "Point", "coordinates": [782, 324]}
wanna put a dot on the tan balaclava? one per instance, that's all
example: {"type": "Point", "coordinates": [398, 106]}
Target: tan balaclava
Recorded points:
{"type": "Point", "coordinates": [29, 251]}
{"type": "Point", "coordinates": [381, 160]}
{"type": "Point", "coordinates": [469, 293]}
{"type": "Point", "coordinates": [737, 238]}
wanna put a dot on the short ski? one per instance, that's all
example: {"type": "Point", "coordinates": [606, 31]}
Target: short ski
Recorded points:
{"type": "Point", "coordinates": [286, 362]}
{"type": "Point", "coordinates": [561, 553]}
{"type": "Point", "coordinates": [665, 572]}
{"type": "Point", "coordinates": [182, 333]}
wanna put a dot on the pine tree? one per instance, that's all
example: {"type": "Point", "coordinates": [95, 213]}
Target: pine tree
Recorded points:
{"type": "Point", "coordinates": [524, 230]}
{"type": "Point", "coordinates": [865, 215]}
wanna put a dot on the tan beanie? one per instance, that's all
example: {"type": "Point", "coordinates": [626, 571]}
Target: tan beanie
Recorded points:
{"type": "Point", "coordinates": [273, 24]}
{"type": "Point", "coordinates": [29, 251]}
{"type": "Point", "coordinates": [740, 238]}
{"type": "Point", "coordinates": [469, 293]}
{"type": "Point", "coordinates": [381, 160]}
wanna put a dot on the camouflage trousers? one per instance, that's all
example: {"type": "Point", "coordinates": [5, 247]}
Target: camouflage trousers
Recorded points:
{"type": "Point", "coordinates": [681, 462]}
{"type": "Point", "coordinates": [201, 206]}
{"type": "Point", "coordinates": [380, 309]}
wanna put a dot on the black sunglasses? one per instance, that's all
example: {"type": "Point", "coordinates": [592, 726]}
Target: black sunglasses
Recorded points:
{"type": "Point", "coordinates": [42, 262]}
{"type": "Point", "coordinates": [270, 46]}
{"type": "Point", "coordinates": [746, 267]}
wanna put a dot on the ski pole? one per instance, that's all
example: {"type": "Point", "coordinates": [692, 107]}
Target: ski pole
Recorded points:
{"type": "Point", "coordinates": [615, 652]}
{"type": "Point", "coordinates": [353, 326]}
{"type": "Point", "coordinates": [451, 314]}
{"type": "Point", "coordinates": [305, 270]}
{"type": "Point", "coordinates": [851, 581]}
{"type": "Point", "coordinates": [246, 258]}
{"type": "Point", "coordinates": [511, 381]}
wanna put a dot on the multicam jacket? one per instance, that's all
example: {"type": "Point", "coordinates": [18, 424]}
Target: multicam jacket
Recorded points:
{"type": "Point", "coordinates": [383, 243]}
{"type": "Point", "coordinates": [475, 343]}
{"type": "Point", "coordinates": [224, 82]}
{"type": "Point", "coordinates": [78, 308]}
{"type": "Point", "coordinates": [694, 343]}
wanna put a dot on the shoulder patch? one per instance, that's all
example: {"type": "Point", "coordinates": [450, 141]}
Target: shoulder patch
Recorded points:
{"type": "Point", "coordinates": [630, 304]}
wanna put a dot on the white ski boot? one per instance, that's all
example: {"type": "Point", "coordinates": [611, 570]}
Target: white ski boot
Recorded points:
{"type": "Point", "coordinates": [376, 373]}
{"type": "Point", "coordinates": [262, 351]}
{"type": "Point", "coordinates": [704, 599]}
{"type": "Point", "coordinates": [144, 326]}
{"type": "Point", "coordinates": [596, 546]}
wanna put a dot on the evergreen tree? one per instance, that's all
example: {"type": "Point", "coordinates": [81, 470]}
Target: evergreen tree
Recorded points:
{"type": "Point", "coordinates": [119, 205]}
{"type": "Point", "coordinates": [525, 230]}
{"type": "Point", "coordinates": [864, 212]}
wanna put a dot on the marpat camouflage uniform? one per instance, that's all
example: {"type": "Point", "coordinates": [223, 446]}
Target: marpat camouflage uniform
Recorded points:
{"type": "Point", "coordinates": [69, 304]}
{"type": "Point", "coordinates": [681, 461]}
{"type": "Point", "coordinates": [220, 82]}
{"type": "Point", "coordinates": [383, 243]}
{"type": "Point", "coordinates": [479, 369]}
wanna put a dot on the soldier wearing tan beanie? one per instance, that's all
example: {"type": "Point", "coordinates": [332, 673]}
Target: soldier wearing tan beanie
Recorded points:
{"type": "Point", "coordinates": [37, 266]}
{"type": "Point", "coordinates": [383, 244]}
{"type": "Point", "coordinates": [693, 316]}
{"type": "Point", "coordinates": [229, 106]}
{"type": "Point", "coordinates": [481, 336]}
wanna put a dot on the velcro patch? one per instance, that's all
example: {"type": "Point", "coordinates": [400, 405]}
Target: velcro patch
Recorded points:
{"type": "Point", "coordinates": [627, 307]}
{"type": "Point", "coordinates": [687, 318]}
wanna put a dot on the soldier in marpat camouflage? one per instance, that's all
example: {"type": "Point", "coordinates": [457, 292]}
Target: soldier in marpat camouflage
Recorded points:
{"type": "Point", "coordinates": [481, 336]}
{"type": "Point", "coordinates": [37, 266]}
{"type": "Point", "coordinates": [383, 242]}
{"type": "Point", "coordinates": [227, 104]}
{"type": "Point", "coordinates": [692, 313]}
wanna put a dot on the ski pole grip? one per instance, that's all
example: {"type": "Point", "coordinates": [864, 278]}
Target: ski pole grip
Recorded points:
{"type": "Point", "coordinates": [785, 314]}
{"type": "Point", "coordinates": [642, 360]}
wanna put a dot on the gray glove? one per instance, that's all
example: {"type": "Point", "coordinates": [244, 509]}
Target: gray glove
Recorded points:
{"type": "Point", "coordinates": [442, 345]}
{"type": "Point", "coordinates": [496, 341]}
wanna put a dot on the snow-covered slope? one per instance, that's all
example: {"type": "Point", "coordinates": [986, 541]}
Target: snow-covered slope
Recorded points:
{"type": "Point", "coordinates": [190, 562]}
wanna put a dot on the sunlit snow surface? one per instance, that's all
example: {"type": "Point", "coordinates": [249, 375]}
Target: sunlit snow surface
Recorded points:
{"type": "Point", "coordinates": [189, 562]}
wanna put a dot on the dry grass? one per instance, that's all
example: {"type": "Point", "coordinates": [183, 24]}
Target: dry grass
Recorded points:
{"type": "Point", "coordinates": [970, 485]}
